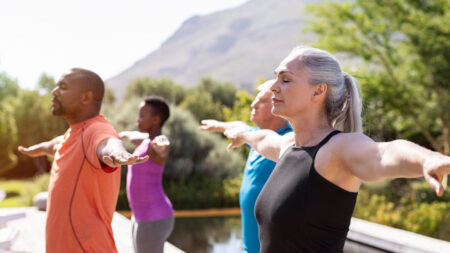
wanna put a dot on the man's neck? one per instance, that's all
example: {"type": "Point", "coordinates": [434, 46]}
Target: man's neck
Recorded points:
{"type": "Point", "coordinates": [273, 125]}
{"type": "Point", "coordinates": [81, 117]}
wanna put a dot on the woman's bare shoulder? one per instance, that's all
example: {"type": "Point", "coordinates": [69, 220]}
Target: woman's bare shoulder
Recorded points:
{"type": "Point", "coordinates": [287, 140]}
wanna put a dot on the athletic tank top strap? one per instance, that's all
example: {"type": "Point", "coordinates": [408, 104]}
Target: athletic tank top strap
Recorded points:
{"type": "Point", "coordinates": [312, 150]}
{"type": "Point", "coordinates": [326, 139]}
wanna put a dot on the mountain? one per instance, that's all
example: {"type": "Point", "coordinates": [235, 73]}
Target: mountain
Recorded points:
{"type": "Point", "coordinates": [239, 45]}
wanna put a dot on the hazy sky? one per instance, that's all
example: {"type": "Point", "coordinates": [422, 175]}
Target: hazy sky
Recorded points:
{"type": "Point", "coordinates": [105, 36]}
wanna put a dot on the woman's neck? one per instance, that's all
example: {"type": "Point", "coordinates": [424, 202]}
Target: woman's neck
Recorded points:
{"type": "Point", "coordinates": [310, 130]}
{"type": "Point", "coordinates": [154, 132]}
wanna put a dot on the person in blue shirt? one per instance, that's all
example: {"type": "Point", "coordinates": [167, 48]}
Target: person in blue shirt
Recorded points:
{"type": "Point", "coordinates": [257, 168]}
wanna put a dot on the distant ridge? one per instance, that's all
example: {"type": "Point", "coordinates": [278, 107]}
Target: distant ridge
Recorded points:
{"type": "Point", "coordinates": [238, 45]}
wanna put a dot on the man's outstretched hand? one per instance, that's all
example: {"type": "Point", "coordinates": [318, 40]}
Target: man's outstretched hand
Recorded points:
{"type": "Point", "coordinates": [43, 148]}
{"type": "Point", "coordinates": [31, 151]}
{"type": "Point", "coordinates": [122, 158]}
{"type": "Point", "coordinates": [113, 153]}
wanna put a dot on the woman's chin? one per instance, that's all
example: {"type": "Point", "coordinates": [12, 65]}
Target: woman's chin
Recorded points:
{"type": "Point", "coordinates": [277, 111]}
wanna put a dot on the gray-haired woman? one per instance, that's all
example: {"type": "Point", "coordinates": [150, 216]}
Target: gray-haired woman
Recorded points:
{"type": "Point", "coordinates": [307, 203]}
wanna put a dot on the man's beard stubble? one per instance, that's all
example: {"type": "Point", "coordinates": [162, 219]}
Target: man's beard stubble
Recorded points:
{"type": "Point", "coordinates": [59, 110]}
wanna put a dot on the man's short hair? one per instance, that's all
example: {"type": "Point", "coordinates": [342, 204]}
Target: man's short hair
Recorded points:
{"type": "Point", "coordinates": [92, 82]}
{"type": "Point", "coordinates": [160, 107]}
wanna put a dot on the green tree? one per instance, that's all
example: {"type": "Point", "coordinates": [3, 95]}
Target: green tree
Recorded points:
{"type": "Point", "coordinates": [403, 51]}
{"type": "Point", "coordinates": [8, 86]}
{"type": "Point", "coordinates": [224, 93]}
{"type": "Point", "coordinates": [202, 105]}
{"type": "Point", "coordinates": [241, 110]}
{"type": "Point", "coordinates": [209, 99]}
{"type": "Point", "coordinates": [109, 97]}
{"type": "Point", "coordinates": [8, 137]}
{"type": "Point", "coordinates": [163, 87]}
{"type": "Point", "coordinates": [196, 153]}
{"type": "Point", "coordinates": [8, 129]}
{"type": "Point", "coordinates": [46, 83]}
{"type": "Point", "coordinates": [34, 123]}
{"type": "Point", "coordinates": [123, 116]}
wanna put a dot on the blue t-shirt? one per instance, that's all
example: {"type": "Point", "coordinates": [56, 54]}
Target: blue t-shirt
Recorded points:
{"type": "Point", "coordinates": [256, 172]}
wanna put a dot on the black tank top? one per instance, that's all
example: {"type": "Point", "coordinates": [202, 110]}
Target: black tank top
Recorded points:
{"type": "Point", "coordinates": [300, 211]}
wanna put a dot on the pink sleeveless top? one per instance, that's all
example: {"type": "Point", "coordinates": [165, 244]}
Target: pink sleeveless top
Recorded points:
{"type": "Point", "coordinates": [146, 196]}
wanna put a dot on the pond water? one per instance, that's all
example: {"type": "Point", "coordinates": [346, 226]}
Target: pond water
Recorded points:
{"type": "Point", "coordinates": [207, 235]}
{"type": "Point", "coordinates": [223, 235]}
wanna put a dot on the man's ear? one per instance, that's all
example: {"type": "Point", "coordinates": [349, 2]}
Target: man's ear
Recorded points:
{"type": "Point", "coordinates": [87, 97]}
{"type": "Point", "coordinates": [320, 91]}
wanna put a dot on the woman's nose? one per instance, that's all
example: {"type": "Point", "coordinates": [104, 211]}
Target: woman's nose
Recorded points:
{"type": "Point", "coordinates": [274, 87]}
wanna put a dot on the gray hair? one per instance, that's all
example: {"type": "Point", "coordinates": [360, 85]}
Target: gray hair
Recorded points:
{"type": "Point", "coordinates": [343, 104]}
{"type": "Point", "coordinates": [266, 85]}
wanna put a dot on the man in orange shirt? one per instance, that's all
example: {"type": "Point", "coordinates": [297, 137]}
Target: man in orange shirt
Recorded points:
{"type": "Point", "coordinates": [85, 176]}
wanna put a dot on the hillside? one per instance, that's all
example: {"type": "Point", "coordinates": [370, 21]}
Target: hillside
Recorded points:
{"type": "Point", "coordinates": [239, 45]}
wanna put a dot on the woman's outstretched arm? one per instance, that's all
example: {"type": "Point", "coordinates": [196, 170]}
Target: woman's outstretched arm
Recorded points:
{"type": "Point", "coordinates": [266, 142]}
{"type": "Point", "coordinates": [134, 137]}
{"type": "Point", "coordinates": [372, 161]}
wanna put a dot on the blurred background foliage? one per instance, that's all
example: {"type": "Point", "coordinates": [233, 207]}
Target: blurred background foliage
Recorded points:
{"type": "Point", "coordinates": [401, 49]}
{"type": "Point", "coordinates": [400, 52]}
{"type": "Point", "coordinates": [398, 49]}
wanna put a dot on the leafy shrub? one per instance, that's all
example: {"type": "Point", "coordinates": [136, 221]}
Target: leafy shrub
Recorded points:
{"type": "Point", "coordinates": [199, 192]}
{"type": "Point", "coordinates": [163, 87]}
{"type": "Point", "coordinates": [39, 184]}
{"type": "Point", "coordinates": [197, 153]}
{"type": "Point", "coordinates": [420, 215]}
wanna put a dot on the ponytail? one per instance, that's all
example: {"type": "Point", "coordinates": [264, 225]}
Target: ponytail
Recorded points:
{"type": "Point", "coordinates": [343, 103]}
{"type": "Point", "coordinates": [348, 118]}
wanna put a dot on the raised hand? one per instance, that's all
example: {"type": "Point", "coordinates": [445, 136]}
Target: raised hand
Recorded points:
{"type": "Point", "coordinates": [161, 145]}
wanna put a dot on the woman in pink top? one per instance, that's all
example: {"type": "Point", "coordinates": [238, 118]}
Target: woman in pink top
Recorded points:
{"type": "Point", "coordinates": [152, 211]}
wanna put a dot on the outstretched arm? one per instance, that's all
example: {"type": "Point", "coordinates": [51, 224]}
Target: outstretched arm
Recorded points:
{"type": "Point", "coordinates": [43, 148]}
{"type": "Point", "coordinates": [372, 161]}
{"type": "Point", "coordinates": [134, 137]}
{"type": "Point", "coordinates": [112, 152]}
{"type": "Point", "coordinates": [266, 142]}
{"type": "Point", "coordinates": [212, 125]}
